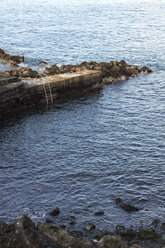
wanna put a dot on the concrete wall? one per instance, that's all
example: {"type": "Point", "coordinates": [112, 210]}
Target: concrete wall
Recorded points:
{"type": "Point", "coordinates": [21, 95]}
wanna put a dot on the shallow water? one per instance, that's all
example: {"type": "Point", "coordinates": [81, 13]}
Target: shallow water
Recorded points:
{"type": "Point", "coordinates": [84, 153]}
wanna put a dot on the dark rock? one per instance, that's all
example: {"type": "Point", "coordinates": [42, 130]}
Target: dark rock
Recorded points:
{"type": "Point", "coordinates": [23, 234]}
{"type": "Point", "coordinates": [61, 238]}
{"type": "Point", "coordinates": [99, 213]}
{"type": "Point", "coordinates": [145, 69]}
{"type": "Point", "coordinates": [10, 60]}
{"type": "Point", "coordinates": [128, 234]}
{"type": "Point", "coordinates": [55, 212]}
{"type": "Point", "coordinates": [62, 226]}
{"type": "Point", "coordinates": [114, 71]}
{"type": "Point", "coordinates": [8, 80]}
{"type": "Point", "coordinates": [102, 233]}
{"type": "Point", "coordinates": [49, 221]}
{"type": "Point", "coordinates": [147, 234]}
{"type": "Point", "coordinates": [42, 63]}
{"type": "Point", "coordinates": [120, 228]}
{"type": "Point", "coordinates": [76, 234]}
{"type": "Point", "coordinates": [89, 227]}
{"type": "Point", "coordinates": [72, 223]}
{"type": "Point", "coordinates": [122, 63]}
{"type": "Point", "coordinates": [109, 241]}
{"type": "Point", "coordinates": [2, 51]}
{"type": "Point", "coordinates": [125, 206]}
{"type": "Point", "coordinates": [156, 222]}
{"type": "Point", "coordinates": [23, 72]}
{"type": "Point", "coordinates": [66, 68]}
{"type": "Point", "coordinates": [54, 69]}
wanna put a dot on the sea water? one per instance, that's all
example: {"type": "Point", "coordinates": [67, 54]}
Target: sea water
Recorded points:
{"type": "Point", "coordinates": [83, 154]}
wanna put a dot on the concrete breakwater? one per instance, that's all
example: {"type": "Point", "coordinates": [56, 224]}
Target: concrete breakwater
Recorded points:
{"type": "Point", "coordinates": [21, 87]}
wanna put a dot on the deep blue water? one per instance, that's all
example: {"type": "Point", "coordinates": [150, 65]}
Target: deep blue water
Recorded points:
{"type": "Point", "coordinates": [81, 155]}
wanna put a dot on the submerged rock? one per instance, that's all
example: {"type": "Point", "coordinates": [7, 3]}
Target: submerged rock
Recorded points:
{"type": "Point", "coordinates": [55, 212]}
{"type": "Point", "coordinates": [99, 213]}
{"type": "Point", "coordinates": [147, 234]}
{"type": "Point", "coordinates": [127, 207]}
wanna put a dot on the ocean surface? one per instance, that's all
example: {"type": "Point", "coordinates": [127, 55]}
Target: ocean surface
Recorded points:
{"type": "Point", "coordinates": [83, 154]}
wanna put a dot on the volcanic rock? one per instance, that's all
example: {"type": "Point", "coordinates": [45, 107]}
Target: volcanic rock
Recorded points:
{"type": "Point", "coordinates": [125, 206]}
{"type": "Point", "coordinates": [10, 60]}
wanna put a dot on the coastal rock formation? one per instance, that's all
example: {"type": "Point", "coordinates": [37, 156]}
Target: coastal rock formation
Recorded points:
{"type": "Point", "coordinates": [110, 71]}
{"type": "Point", "coordinates": [23, 233]}
{"type": "Point", "coordinates": [42, 63]}
{"type": "Point", "coordinates": [10, 60]}
{"type": "Point", "coordinates": [22, 72]}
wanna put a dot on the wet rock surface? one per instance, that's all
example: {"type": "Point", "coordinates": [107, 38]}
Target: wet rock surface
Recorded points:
{"type": "Point", "coordinates": [22, 72]}
{"type": "Point", "coordinates": [24, 233]}
{"type": "Point", "coordinates": [42, 63]}
{"type": "Point", "coordinates": [55, 212]}
{"type": "Point", "coordinates": [109, 71]}
{"type": "Point", "coordinates": [125, 206]}
{"type": "Point", "coordinates": [10, 60]}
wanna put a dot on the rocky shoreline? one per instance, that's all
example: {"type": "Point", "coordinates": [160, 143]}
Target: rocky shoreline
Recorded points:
{"type": "Point", "coordinates": [22, 87]}
{"type": "Point", "coordinates": [23, 233]}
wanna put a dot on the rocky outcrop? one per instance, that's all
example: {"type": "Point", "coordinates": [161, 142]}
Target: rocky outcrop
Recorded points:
{"type": "Point", "coordinates": [42, 63]}
{"type": "Point", "coordinates": [10, 60]}
{"type": "Point", "coordinates": [110, 71]}
{"type": "Point", "coordinates": [22, 72]}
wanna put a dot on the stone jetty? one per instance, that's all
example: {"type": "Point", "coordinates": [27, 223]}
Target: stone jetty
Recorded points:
{"type": "Point", "coordinates": [22, 87]}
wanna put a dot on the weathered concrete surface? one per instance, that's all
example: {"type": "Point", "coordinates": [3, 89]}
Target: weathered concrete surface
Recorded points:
{"type": "Point", "coordinates": [16, 95]}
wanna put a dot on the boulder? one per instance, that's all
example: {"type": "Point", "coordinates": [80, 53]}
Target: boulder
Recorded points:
{"type": "Point", "coordinates": [66, 68]}
{"type": "Point", "coordinates": [55, 212]}
{"type": "Point", "coordinates": [147, 234]}
{"type": "Point", "coordinates": [10, 60]}
{"type": "Point", "coordinates": [42, 63]}
{"type": "Point", "coordinates": [109, 241]}
{"type": "Point", "coordinates": [145, 69]}
{"type": "Point", "coordinates": [22, 233]}
{"type": "Point", "coordinates": [54, 69]}
{"type": "Point", "coordinates": [89, 227]}
{"type": "Point", "coordinates": [62, 239]}
{"type": "Point", "coordinates": [23, 72]}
